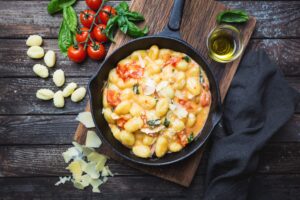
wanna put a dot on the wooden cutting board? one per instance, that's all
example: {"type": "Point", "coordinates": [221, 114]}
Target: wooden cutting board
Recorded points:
{"type": "Point", "coordinates": [199, 19]}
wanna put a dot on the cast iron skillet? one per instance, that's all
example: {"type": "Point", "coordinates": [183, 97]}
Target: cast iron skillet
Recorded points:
{"type": "Point", "coordinates": [169, 38]}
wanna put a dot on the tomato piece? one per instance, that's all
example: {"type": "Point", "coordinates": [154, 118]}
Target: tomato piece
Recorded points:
{"type": "Point", "coordinates": [106, 13]}
{"type": "Point", "coordinates": [87, 18]}
{"type": "Point", "coordinates": [130, 70]}
{"type": "Point", "coordinates": [183, 139]}
{"type": "Point", "coordinates": [172, 61]}
{"type": "Point", "coordinates": [93, 4]}
{"type": "Point", "coordinates": [98, 33]}
{"type": "Point", "coordinates": [96, 51]}
{"type": "Point", "coordinates": [113, 98]}
{"type": "Point", "coordinates": [76, 53]}
{"type": "Point", "coordinates": [82, 35]}
{"type": "Point", "coordinates": [121, 122]}
{"type": "Point", "coordinates": [205, 99]}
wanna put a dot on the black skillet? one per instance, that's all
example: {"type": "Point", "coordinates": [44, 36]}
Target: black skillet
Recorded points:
{"type": "Point", "coordinates": [169, 38]}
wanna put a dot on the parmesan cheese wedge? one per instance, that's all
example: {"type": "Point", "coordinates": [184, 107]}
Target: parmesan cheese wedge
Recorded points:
{"type": "Point", "coordinates": [92, 140]}
{"type": "Point", "coordinates": [86, 119]}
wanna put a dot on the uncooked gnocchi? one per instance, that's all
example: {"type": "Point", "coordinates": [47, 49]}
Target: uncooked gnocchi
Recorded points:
{"type": "Point", "coordinates": [41, 70]}
{"type": "Point", "coordinates": [69, 89]}
{"type": "Point", "coordinates": [152, 101]}
{"type": "Point", "coordinates": [34, 40]}
{"type": "Point", "coordinates": [35, 52]}
{"type": "Point", "coordinates": [50, 58]}
{"type": "Point", "coordinates": [59, 78]}
{"type": "Point", "coordinates": [44, 94]}
{"type": "Point", "coordinates": [78, 94]}
{"type": "Point", "coordinates": [58, 99]}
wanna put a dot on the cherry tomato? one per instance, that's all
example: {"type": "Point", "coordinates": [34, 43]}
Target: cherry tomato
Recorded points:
{"type": "Point", "coordinates": [205, 99]}
{"type": "Point", "coordinates": [183, 139]}
{"type": "Point", "coordinates": [76, 53]}
{"type": "Point", "coordinates": [82, 35]}
{"type": "Point", "coordinates": [130, 70]}
{"type": "Point", "coordinates": [93, 4]}
{"type": "Point", "coordinates": [87, 17]}
{"type": "Point", "coordinates": [105, 13]}
{"type": "Point", "coordinates": [113, 97]}
{"type": "Point", "coordinates": [96, 51]}
{"type": "Point", "coordinates": [121, 122]}
{"type": "Point", "coordinates": [98, 33]}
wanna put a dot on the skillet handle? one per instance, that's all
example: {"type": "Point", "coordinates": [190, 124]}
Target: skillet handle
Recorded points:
{"type": "Point", "coordinates": [173, 27]}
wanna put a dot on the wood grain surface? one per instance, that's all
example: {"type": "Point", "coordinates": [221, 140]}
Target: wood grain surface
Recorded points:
{"type": "Point", "coordinates": [33, 134]}
{"type": "Point", "coordinates": [194, 30]}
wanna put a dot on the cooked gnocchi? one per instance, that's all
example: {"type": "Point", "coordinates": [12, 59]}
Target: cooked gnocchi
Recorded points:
{"type": "Point", "coordinates": [156, 101]}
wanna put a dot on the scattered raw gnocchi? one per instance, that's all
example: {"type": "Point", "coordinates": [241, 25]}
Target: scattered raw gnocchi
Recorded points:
{"type": "Point", "coordinates": [69, 89]}
{"type": "Point", "coordinates": [59, 78]}
{"type": "Point", "coordinates": [50, 58]}
{"type": "Point", "coordinates": [58, 99]}
{"type": "Point", "coordinates": [34, 40]}
{"type": "Point", "coordinates": [41, 70]}
{"type": "Point", "coordinates": [44, 94]}
{"type": "Point", "coordinates": [35, 52]}
{"type": "Point", "coordinates": [78, 94]}
{"type": "Point", "coordinates": [156, 101]}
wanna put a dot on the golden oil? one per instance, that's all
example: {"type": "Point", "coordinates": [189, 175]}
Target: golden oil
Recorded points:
{"type": "Point", "coordinates": [224, 44]}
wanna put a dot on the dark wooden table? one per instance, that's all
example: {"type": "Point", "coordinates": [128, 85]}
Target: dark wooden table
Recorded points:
{"type": "Point", "coordinates": [33, 134]}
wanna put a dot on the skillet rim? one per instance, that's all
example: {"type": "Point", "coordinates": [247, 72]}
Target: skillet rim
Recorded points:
{"type": "Point", "coordinates": [216, 114]}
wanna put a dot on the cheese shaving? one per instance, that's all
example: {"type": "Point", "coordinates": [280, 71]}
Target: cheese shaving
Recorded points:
{"type": "Point", "coordinates": [86, 119]}
{"type": "Point", "coordinates": [151, 131]}
{"type": "Point", "coordinates": [149, 86]}
{"type": "Point", "coordinates": [75, 169]}
{"type": "Point", "coordinates": [180, 112]}
{"type": "Point", "coordinates": [141, 61]}
{"type": "Point", "coordinates": [92, 140]}
{"type": "Point", "coordinates": [70, 154]}
{"type": "Point", "coordinates": [87, 168]}
{"type": "Point", "coordinates": [63, 180]}
{"type": "Point", "coordinates": [162, 85]}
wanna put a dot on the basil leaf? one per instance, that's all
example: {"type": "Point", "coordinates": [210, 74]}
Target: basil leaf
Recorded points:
{"type": "Point", "coordinates": [65, 38]}
{"type": "Point", "coordinates": [191, 137]}
{"type": "Point", "coordinates": [232, 16]}
{"type": "Point", "coordinates": [136, 88]}
{"type": "Point", "coordinates": [134, 16]}
{"type": "Point", "coordinates": [201, 77]}
{"type": "Point", "coordinates": [122, 24]}
{"type": "Point", "coordinates": [57, 5]}
{"type": "Point", "coordinates": [166, 123]}
{"type": "Point", "coordinates": [70, 18]}
{"type": "Point", "coordinates": [122, 7]}
{"type": "Point", "coordinates": [187, 58]}
{"type": "Point", "coordinates": [135, 31]}
{"type": "Point", "coordinates": [155, 122]}
{"type": "Point", "coordinates": [111, 27]}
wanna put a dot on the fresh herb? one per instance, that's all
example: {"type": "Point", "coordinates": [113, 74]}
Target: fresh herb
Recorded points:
{"type": "Point", "coordinates": [136, 88]}
{"type": "Point", "coordinates": [166, 123]}
{"type": "Point", "coordinates": [57, 5]}
{"type": "Point", "coordinates": [187, 58]}
{"type": "Point", "coordinates": [65, 38]}
{"type": "Point", "coordinates": [70, 17]}
{"type": "Point", "coordinates": [232, 16]}
{"type": "Point", "coordinates": [191, 137]}
{"type": "Point", "coordinates": [153, 123]}
{"type": "Point", "coordinates": [125, 22]}
{"type": "Point", "coordinates": [201, 77]}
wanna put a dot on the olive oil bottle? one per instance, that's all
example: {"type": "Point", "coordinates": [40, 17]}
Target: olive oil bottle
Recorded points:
{"type": "Point", "coordinates": [224, 43]}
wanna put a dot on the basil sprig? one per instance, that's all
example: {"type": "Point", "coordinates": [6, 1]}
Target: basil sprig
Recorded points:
{"type": "Point", "coordinates": [233, 16]}
{"type": "Point", "coordinates": [70, 17]}
{"type": "Point", "coordinates": [57, 5]}
{"type": "Point", "coordinates": [67, 29]}
{"type": "Point", "coordinates": [65, 38]}
{"type": "Point", "coordinates": [154, 122]}
{"type": "Point", "coordinates": [125, 22]}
